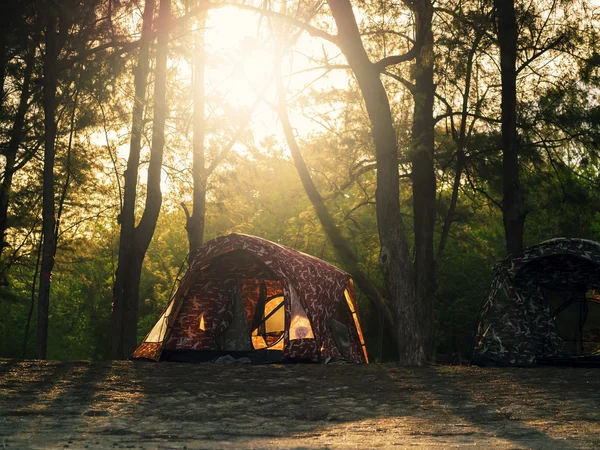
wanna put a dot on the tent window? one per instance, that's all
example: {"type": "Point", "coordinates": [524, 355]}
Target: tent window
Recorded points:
{"type": "Point", "coordinates": [350, 302]}
{"type": "Point", "coordinates": [354, 316]}
{"type": "Point", "coordinates": [300, 325]}
{"type": "Point", "coordinates": [269, 333]}
{"type": "Point", "coordinates": [591, 329]}
{"type": "Point", "coordinates": [578, 320]}
{"type": "Point", "coordinates": [258, 342]}
{"type": "Point", "coordinates": [202, 325]}
{"type": "Point", "coordinates": [274, 315]}
{"type": "Point", "coordinates": [157, 333]}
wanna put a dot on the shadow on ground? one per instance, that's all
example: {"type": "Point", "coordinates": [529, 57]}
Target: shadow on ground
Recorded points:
{"type": "Point", "coordinates": [176, 405]}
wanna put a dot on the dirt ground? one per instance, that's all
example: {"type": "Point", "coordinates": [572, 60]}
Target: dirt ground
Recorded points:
{"type": "Point", "coordinates": [176, 405]}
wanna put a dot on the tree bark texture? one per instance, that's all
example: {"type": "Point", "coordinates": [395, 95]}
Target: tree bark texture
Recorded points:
{"type": "Point", "coordinates": [49, 84]}
{"type": "Point", "coordinates": [16, 137]}
{"type": "Point", "coordinates": [142, 234]}
{"type": "Point", "coordinates": [126, 288]}
{"type": "Point", "coordinates": [7, 19]}
{"type": "Point", "coordinates": [423, 172]}
{"type": "Point", "coordinates": [32, 297]}
{"type": "Point", "coordinates": [513, 202]}
{"type": "Point", "coordinates": [3, 56]}
{"type": "Point", "coordinates": [147, 225]}
{"type": "Point", "coordinates": [340, 243]}
{"type": "Point", "coordinates": [394, 257]}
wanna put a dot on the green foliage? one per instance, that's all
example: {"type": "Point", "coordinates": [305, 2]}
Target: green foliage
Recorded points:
{"type": "Point", "coordinates": [255, 188]}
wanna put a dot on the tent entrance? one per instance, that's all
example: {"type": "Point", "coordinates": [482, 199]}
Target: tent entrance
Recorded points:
{"type": "Point", "coordinates": [257, 316]}
{"type": "Point", "coordinates": [577, 318]}
{"type": "Point", "coordinates": [241, 317]}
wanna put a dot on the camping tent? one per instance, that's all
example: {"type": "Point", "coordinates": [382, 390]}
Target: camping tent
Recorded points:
{"type": "Point", "coordinates": [246, 296]}
{"type": "Point", "coordinates": [543, 306]}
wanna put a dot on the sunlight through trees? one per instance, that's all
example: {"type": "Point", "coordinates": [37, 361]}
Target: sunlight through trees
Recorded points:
{"type": "Point", "coordinates": [413, 144]}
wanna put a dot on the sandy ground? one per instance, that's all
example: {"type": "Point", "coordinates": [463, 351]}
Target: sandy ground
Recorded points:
{"type": "Point", "coordinates": [176, 405]}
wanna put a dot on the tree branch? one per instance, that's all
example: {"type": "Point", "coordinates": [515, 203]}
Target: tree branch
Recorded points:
{"type": "Point", "coordinates": [397, 59]}
{"type": "Point", "coordinates": [313, 31]}
{"type": "Point", "coordinates": [459, 113]}
{"type": "Point", "coordinates": [407, 84]}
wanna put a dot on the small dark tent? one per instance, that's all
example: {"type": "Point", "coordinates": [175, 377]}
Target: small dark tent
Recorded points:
{"type": "Point", "coordinates": [543, 306]}
{"type": "Point", "coordinates": [246, 296]}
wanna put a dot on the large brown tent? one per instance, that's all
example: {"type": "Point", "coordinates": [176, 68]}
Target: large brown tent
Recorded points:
{"type": "Point", "coordinates": [246, 296]}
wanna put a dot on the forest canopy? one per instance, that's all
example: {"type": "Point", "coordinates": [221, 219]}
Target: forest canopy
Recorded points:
{"type": "Point", "coordinates": [413, 144]}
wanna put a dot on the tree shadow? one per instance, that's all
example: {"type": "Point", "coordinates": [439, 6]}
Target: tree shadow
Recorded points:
{"type": "Point", "coordinates": [237, 403]}
{"type": "Point", "coordinates": [566, 394]}
{"type": "Point", "coordinates": [22, 381]}
{"type": "Point", "coordinates": [128, 403]}
{"type": "Point", "coordinates": [51, 401]}
{"type": "Point", "coordinates": [6, 365]}
{"type": "Point", "coordinates": [501, 402]}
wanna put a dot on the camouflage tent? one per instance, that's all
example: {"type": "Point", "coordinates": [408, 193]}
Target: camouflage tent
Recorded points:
{"type": "Point", "coordinates": [543, 306]}
{"type": "Point", "coordinates": [246, 296]}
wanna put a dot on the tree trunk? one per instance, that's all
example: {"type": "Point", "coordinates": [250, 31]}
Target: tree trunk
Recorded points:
{"type": "Point", "coordinates": [4, 31]}
{"type": "Point", "coordinates": [145, 230]}
{"type": "Point", "coordinates": [49, 84]}
{"type": "Point", "coordinates": [16, 137]}
{"type": "Point", "coordinates": [195, 221]}
{"type": "Point", "coordinates": [423, 174]}
{"type": "Point", "coordinates": [513, 203]}
{"type": "Point", "coordinates": [340, 243]}
{"type": "Point", "coordinates": [65, 187]}
{"type": "Point", "coordinates": [32, 297]}
{"type": "Point", "coordinates": [394, 257]}
{"type": "Point", "coordinates": [131, 255]}
{"type": "Point", "coordinates": [122, 294]}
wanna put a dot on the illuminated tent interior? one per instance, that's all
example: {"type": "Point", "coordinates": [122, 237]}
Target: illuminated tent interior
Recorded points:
{"type": "Point", "coordinates": [249, 297]}
{"type": "Point", "coordinates": [543, 307]}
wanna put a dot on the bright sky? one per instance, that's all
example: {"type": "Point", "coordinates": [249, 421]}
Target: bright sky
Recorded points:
{"type": "Point", "coordinates": [234, 33]}
{"type": "Point", "coordinates": [240, 65]}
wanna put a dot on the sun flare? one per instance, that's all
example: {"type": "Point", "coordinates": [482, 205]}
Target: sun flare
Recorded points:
{"type": "Point", "coordinates": [243, 61]}
{"type": "Point", "coordinates": [240, 64]}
